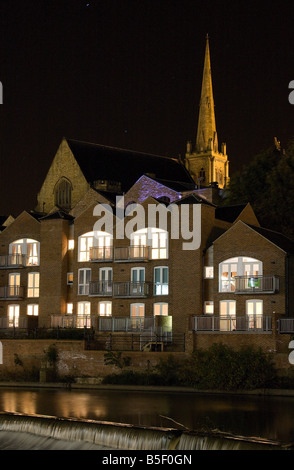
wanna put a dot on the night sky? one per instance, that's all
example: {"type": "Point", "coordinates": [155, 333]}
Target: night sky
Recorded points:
{"type": "Point", "coordinates": [128, 74]}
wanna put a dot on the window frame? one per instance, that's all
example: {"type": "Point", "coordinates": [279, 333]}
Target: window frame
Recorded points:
{"type": "Point", "coordinates": [227, 322]}
{"type": "Point", "coordinates": [228, 284]}
{"type": "Point", "coordinates": [14, 321]}
{"type": "Point", "coordinates": [107, 304]}
{"type": "Point", "coordinates": [208, 303]}
{"type": "Point", "coordinates": [35, 288]}
{"type": "Point", "coordinates": [83, 287]}
{"type": "Point", "coordinates": [93, 240]}
{"type": "Point", "coordinates": [34, 307]}
{"type": "Point", "coordinates": [161, 286]}
{"type": "Point", "coordinates": [21, 246]}
{"type": "Point", "coordinates": [153, 238]}
{"type": "Point", "coordinates": [83, 318]}
{"type": "Point", "coordinates": [255, 320]}
{"type": "Point", "coordinates": [161, 305]}
{"type": "Point", "coordinates": [138, 306]}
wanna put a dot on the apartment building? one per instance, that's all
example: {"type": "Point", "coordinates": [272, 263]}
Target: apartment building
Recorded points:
{"type": "Point", "coordinates": [141, 278]}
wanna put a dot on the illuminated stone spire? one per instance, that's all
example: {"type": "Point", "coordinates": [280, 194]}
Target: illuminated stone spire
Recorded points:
{"type": "Point", "coordinates": [207, 165]}
{"type": "Point", "coordinates": [206, 133]}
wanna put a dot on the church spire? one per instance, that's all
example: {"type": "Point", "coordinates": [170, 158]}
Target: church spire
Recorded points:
{"type": "Point", "coordinates": [206, 134]}
{"type": "Point", "coordinates": [207, 165]}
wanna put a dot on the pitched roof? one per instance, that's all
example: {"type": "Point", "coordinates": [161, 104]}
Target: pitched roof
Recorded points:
{"type": "Point", "coordinates": [276, 238]}
{"type": "Point", "coordinates": [229, 213]}
{"type": "Point", "coordinates": [58, 214]}
{"type": "Point", "coordinates": [99, 162]}
{"type": "Point", "coordinates": [193, 198]}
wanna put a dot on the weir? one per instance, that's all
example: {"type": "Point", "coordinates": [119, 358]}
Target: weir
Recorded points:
{"type": "Point", "coordinates": [20, 431]}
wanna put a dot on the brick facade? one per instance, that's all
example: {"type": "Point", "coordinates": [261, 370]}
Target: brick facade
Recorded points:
{"type": "Point", "coordinates": [63, 297]}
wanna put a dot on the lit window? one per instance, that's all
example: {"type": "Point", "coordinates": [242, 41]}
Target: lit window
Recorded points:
{"type": "Point", "coordinates": [95, 246]}
{"type": "Point", "coordinates": [14, 285]}
{"type": "Point", "coordinates": [208, 272]}
{"type": "Point", "coordinates": [85, 243]}
{"type": "Point", "coordinates": [33, 284]}
{"type": "Point", "coordinates": [105, 278]}
{"type": "Point", "coordinates": [69, 308]}
{"type": "Point", "coordinates": [13, 316]}
{"type": "Point", "coordinates": [160, 308]}
{"type": "Point", "coordinates": [84, 280]}
{"type": "Point", "coordinates": [105, 309]}
{"type": "Point", "coordinates": [137, 310]}
{"type": "Point", "coordinates": [254, 311]}
{"type": "Point", "coordinates": [137, 316]}
{"type": "Point", "coordinates": [161, 280]}
{"type": "Point", "coordinates": [159, 244]}
{"type": "Point", "coordinates": [155, 238]}
{"type": "Point", "coordinates": [208, 307]}
{"type": "Point", "coordinates": [26, 247]}
{"type": "Point", "coordinates": [240, 266]}
{"type": "Point", "coordinates": [69, 279]}
{"type": "Point", "coordinates": [137, 281]}
{"type": "Point", "coordinates": [71, 244]}
{"type": "Point", "coordinates": [33, 310]}
{"type": "Point", "coordinates": [227, 315]}
{"type": "Point", "coordinates": [83, 317]}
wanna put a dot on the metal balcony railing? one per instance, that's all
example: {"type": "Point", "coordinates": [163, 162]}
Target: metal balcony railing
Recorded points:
{"type": "Point", "coordinates": [286, 325]}
{"type": "Point", "coordinates": [14, 322]}
{"type": "Point", "coordinates": [11, 292]}
{"type": "Point", "coordinates": [73, 321]}
{"type": "Point", "coordinates": [256, 284]}
{"type": "Point", "coordinates": [101, 253]}
{"type": "Point", "coordinates": [260, 323]}
{"type": "Point", "coordinates": [250, 284]}
{"type": "Point", "coordinates": [130, 289]}
{"type": "Point", "coordinates": [100, 288]}
{"type": "Point", "coordinates": [12, 261]}
{"type": "Point", "coordinates": [125, 324]}
{"type": "Point", "coordinates": [132, 253]}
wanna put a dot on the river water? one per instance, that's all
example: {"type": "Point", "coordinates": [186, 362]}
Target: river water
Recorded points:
{"type": "Point", "coordinates": [266, 417]}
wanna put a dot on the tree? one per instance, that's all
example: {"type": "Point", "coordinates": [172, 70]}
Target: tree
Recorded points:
{"type": "Point", "coordinates": [267, 183]}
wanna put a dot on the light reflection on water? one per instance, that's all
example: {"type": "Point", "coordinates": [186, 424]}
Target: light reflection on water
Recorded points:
{"type": "Point", "coordinates": [268, 417]}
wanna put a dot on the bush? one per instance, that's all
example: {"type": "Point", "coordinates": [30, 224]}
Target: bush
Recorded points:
{"type": "Point", "coordinates": [116, 359]}
{"type": "Point", "coordinates": [220, 367]}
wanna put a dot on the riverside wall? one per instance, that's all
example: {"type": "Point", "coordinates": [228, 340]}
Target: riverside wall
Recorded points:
{"type": "Point", "coordinates": [75, 361]}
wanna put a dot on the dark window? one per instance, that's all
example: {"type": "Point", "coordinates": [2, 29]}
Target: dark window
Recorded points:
{"type": "Point", "coordinates": [63, 194]}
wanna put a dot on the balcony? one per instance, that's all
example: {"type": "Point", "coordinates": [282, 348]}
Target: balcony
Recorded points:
{"type": "Point", "coordinates": [12, 261]}
{"type": "Point", "coordinates": [251, 284]}
{"type": "Point", "coordinates": [213, 323]}
{"type": "Point", "coordinates": [130, 289]}
{"type": "Point", "coordinates": [102, 323]}
{"type": "Point", "coordinates": [126, 324]}
{"type": "Point", "coordinates": [131, 253]}
{"type": "Point", "coordinates": [286, 326]}
{"type": "Point", "coordinates": [73, 321]}
{"type": "Point", "coordinates": [11, 292]}
{"type": "Point", "coordinates": [97, 254]}
{"type": "Point", "coordinates": [256, 284]}
{"type": "Point", "coordinates": [100, 288]}
{"type": "Point", "coordinates": [15, 322]}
